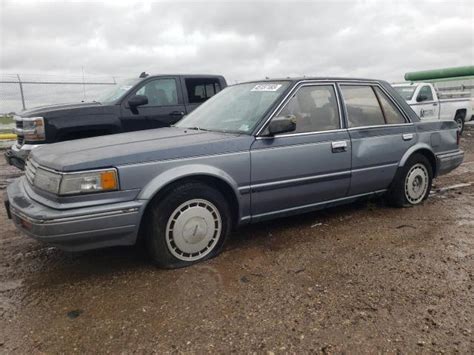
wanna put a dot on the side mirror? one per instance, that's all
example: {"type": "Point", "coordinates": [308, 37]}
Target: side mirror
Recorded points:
{"type": "Point", "coordinates": [138, 100]}
{"type": "Point", "coordinates": [282, 124]}
{"type": "Point", "coordinates": [421, 98]}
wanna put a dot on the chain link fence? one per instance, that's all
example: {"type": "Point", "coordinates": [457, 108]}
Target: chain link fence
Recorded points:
{"type": "Point", "coordinates": [23, 91]}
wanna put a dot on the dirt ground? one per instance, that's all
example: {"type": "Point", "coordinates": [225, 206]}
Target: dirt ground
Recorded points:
{"type": "Point", "coordinates": [359, 278]}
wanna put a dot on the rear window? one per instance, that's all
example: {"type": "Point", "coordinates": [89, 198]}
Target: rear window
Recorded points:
{"type": "Point", "coordinates": [201, 89]}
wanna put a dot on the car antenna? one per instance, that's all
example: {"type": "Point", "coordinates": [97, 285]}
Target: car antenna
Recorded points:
{"type": "Point", "coordinates": [143, 75]}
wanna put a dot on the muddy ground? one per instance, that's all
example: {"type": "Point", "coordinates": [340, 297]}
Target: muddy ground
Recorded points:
{"type": "Point", "coordinates": [359, 278]}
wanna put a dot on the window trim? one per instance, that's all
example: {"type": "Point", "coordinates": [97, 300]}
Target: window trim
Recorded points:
{"type": "Point", "coordinates": [290, 96]}
{"type": "Point", "coordinates": [383, 110]}
{"type": "Point", "coordinates": [134, 92]}
{"type": "Point", "coordinates": [371, 84]}
{"type": "Point", "coordinates": [419, 93]}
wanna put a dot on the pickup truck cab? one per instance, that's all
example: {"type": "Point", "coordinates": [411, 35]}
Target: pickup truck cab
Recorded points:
{"type": "Point", "coordinates": [140, 103]}
{"type": "Point", "coordinates": [425, 100]}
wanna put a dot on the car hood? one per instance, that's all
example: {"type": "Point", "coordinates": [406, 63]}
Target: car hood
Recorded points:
{"type": "Point", "coordinates": [137, 147]}
{"type": "Point", "coordinates": [51, 111]}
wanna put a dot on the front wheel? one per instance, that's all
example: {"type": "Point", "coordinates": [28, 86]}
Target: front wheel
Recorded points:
{"type": "Point", "coordinates": [187, 225]}
{"type": "Point", "coordinates": [460, 122]}
{"type": "Point", "coordinates": [412, 184]}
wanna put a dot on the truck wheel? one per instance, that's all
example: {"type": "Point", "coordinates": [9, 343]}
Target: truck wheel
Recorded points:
{"type": "Point", "coordinates": [460, 122]}
{"type": "Point", "coordinates": [412, 183]}
{"type": "Point", "coordinates": [188, 225]}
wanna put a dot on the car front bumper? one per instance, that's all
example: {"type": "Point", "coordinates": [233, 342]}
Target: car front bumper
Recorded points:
{"type": "Point", "coordinates": [17, 154]}
{"type": "Point", "coordinates": [449, 161]}
{"type": "Point", "coordinates": [74, 229]}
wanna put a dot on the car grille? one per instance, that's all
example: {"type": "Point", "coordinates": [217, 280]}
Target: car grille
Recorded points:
{"type": "Point", "coordinates": [30, 171]}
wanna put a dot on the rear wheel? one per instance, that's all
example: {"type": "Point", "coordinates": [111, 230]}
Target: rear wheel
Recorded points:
{"type": "Point", "coordinates": [460, 122]}
{"type": "Point", "coordinates": [188, 225]}
{"type": "Point", "coordinates": [412, 183]}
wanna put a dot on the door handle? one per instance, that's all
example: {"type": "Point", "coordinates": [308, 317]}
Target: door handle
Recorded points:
{"type": "Point", "coordinates": [435, 104]}
{"type": "Point", "coordinates": [177, 113]}
{"type": "Point", "coordinates": [339, 146]}
{"type": "Point", "coordinates": [407, 136]}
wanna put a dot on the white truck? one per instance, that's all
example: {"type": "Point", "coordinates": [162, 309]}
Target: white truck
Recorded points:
{"type": "Point", "coordinates": [425, 100]}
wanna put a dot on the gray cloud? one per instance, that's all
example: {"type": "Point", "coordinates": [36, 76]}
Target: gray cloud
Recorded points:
{"type": "Point", "coordinates": [242, 40]}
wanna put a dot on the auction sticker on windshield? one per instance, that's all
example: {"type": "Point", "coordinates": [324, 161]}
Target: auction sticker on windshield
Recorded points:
{"type": "Point", "coordinates": [266, 87]}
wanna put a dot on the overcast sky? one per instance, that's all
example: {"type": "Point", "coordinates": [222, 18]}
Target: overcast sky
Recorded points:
{"type": "Point", "coordinates": [240, 39]}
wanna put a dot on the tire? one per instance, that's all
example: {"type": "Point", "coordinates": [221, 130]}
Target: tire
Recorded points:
{"type": "Point", "coordinates": [188, 225]}
{"type": "Point", "coordinates": [412, 183]}
{"type": "Point", "coordinates": [460, 122]}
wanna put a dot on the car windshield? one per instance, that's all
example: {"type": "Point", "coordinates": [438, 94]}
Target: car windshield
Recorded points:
{"type": "Point", "coordinates": [236, 109]}
{"type": "Point", "coordinates": [405, 91]}
{"type": "Point", "coordinates": [118, 90]}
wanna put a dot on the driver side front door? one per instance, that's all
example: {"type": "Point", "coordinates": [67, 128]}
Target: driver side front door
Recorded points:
{"type": "Point", "coordinates": [301, 169]}
{"type": "Point", "coordinates": [165, 106]}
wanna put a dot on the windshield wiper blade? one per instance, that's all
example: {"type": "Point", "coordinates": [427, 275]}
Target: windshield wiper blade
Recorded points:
{"type": "Point", "coordinates": [197, 128]}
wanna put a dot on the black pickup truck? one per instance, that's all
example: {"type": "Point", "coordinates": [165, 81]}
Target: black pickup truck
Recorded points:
{"type": "Point", "coordinates": [135, 104]}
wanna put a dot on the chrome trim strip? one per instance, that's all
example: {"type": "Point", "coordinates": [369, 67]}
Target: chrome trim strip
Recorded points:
{"type": "Point", "coordinates": [381, 126]}
{"type": "Point", "coordinates": [447, 155]}
{"type": "Point", "coordinates": [372, 167]}
{"type": "Point", "coordinates": [71, 219]}
{"type": "Point", "coordinates": [299, 181]}
{"type": "Point", "coordinates": [301, 134]}
{"type": "Point", "coordinates": [312, 205]}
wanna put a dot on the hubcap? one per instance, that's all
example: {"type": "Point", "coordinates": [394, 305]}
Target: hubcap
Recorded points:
{"type": "Point", "coordinates": [459, 121]}
{"type": "Point", "coordinates": [193, 230]}
{"type": "Point", "coordinates": [416, 183]}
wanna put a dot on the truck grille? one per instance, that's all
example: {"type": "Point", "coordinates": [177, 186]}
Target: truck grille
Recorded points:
{"type": "Point", "coordinates": [30, 170]}
{"type": "Point", "coordinates": [19, 124]}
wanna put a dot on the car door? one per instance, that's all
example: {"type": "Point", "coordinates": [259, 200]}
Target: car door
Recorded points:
{"type": "Point", "coordinates": [380, 135]}
{"type": "Point", "coordinates": [426, 107]}
{"type": "Point", "coordinates": [297, 171]}
{"type": "Point", "coordinates": [165, 105]}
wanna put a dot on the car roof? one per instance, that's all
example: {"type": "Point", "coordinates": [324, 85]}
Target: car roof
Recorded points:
{"type": "Point", "coordinates": [313, 78]}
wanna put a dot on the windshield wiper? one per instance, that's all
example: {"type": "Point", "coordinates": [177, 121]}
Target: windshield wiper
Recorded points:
{"type": "Point", "coordinates": [197, 128]}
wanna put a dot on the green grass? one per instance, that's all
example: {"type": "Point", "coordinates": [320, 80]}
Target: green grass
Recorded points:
{"type": "Point", "coordinates": [5, 119]}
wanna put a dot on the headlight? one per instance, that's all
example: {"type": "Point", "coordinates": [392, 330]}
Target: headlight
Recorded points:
{"type": "Point", "coordinates": [87, 182]}
{"type": "Point", "coordinates": [33, 129]}
{"type": "Point", "coordinates": [45, 180]}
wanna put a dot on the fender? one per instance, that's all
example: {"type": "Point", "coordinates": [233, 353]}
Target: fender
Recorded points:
{"type": "Point", "coordinates": [174, 174]}
{"type": "Point", "coordinates": [413, 149]}
{"type": "Point", "coordinates": [171, 175]}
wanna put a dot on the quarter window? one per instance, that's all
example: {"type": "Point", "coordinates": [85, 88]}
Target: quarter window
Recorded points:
{"type": "Point", "coordinates": [160, 92]}
{"type": "Point", "coordinates": [314, 109]}
{"type": "Point", "coordinates": [391, 113]}
{"type": "Point", "coordinates": [362, 106]}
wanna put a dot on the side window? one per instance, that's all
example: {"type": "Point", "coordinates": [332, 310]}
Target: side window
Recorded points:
{"type": "Point", "coordinates": [391, 113]}
{"type": "Point", "coordinates": [160, 92]}
{"type": "Point", "coordinates": [314, 108]}
{"type": "Point", "coordinates": [199, 90]}
{"type": "Point", "coordinates": [425, 93]}
{"type": "Point", "coordinates": [362, 106]}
